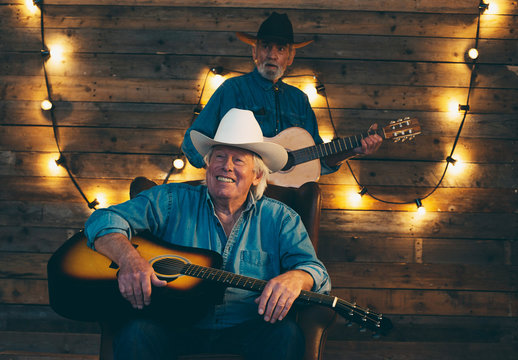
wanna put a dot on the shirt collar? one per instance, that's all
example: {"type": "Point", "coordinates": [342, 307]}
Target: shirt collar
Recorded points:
{"type": "Point", "coordinates": [250, 200]}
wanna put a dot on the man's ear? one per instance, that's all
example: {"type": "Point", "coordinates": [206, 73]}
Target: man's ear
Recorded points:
{"type": "Point", "coordinates": [257, 179]}
{"type": "Point", "coordinates": [254, 51]}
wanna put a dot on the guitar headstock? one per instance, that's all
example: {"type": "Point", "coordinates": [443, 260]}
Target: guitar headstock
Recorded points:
{"type": "Point", "coordinates": [402, 129]}
{"type": "Point", "coordinates": [365, 318]}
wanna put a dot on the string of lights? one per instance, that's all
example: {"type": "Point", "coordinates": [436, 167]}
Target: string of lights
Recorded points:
{"type": "Point", "coordinates": [178, 162]}
{"type": "Point", "coordinates": [473, 55]}
{"type": "Point", "coordinates": [48, 106]}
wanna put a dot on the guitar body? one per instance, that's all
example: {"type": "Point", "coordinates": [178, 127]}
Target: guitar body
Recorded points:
{"type": "Point", "coordinates": [295, 138]}
{"type": "Point", "coordinates": [83, 283]}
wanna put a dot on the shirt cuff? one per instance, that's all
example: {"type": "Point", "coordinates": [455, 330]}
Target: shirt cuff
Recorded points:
{"type": "Point", "coordinates": [321, 282]}
{"type": "Point", "coordinates": [97, 226]}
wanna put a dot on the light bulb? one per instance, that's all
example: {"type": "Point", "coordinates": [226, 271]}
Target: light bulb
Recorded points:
{"type": "Point", "coordinates": [420, 208]}
{"type": "Point", "coordinates": [217, 80]}
{"type": "Point", "coordinates": [453, 107]}
{"type": "Point", "coordinates": [178, 163]}
{"type": "Point", "coordinates": [311, 92]}
{"type": "Point", "coordinates": [31, 6]}
{"type": "Point", "coordinates": [473, 53]}
{"type": "Point", "coordinates": [457, 165]}
{"type": "Point", "coordinates": [101, 200]}
{"type": "Point", "coordinates": [46, 105]}
{"type": "Point", "coordinates": [53, 167]}
{"type": "Point", "coordinates": [56, 53]}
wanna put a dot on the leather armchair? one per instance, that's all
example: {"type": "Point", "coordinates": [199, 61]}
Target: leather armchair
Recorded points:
{"type": "Point", "coordinates": [314, 320]}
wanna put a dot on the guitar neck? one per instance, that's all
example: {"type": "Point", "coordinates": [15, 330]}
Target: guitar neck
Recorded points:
{"type": "Point", "coordinates": [344, 308]}
{"type": "Point", "coordinates": [331, 148]}
{"type": "Point", "coordinates": [364, 317]}
{"type": "Point", "coordinates": [248, 283]}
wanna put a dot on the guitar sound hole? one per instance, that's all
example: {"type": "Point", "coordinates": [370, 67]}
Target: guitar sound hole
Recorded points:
{"type": "Point", "coordinates": [168, 267]}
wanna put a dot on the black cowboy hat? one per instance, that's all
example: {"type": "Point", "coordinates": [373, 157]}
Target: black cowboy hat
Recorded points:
{"type": "Point", "coordinates": [276, 28]}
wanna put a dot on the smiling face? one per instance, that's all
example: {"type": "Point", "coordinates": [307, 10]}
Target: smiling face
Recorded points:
{"type": "Point", "coordinates": [230, 174]}
{"type": "Point", "coordinates": [272, 59]}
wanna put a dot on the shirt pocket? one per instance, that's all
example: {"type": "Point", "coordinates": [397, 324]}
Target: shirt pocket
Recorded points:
{"type": "Point", "coordinates": [292, 119]}
{"type": "Point", "coordinates": [257, 264]}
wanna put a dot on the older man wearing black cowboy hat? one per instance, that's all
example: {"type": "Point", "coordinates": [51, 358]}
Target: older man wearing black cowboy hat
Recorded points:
{"type": "Point", "coordinates": [256, 237]}
{"type": "Point", "coordinates": [275, 104]}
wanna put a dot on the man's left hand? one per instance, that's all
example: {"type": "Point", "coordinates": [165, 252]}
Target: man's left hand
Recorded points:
{"type": "Point", "coordinates": [280, 293]}
{"type": "Point", "coordinates": [370, 144]}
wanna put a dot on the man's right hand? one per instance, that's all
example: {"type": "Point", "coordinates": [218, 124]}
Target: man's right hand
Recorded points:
{"type": "Point", "coordinates": [136, 276]}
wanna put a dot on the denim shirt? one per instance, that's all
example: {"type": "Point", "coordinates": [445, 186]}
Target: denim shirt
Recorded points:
{"type": "Point", "coordinates": [276, 107]}
{"type": "Point", "coordinates": [268, 239]}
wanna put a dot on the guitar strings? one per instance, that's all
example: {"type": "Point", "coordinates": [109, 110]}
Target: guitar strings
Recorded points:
{"type": "Point", "coordinates": [172, 266]}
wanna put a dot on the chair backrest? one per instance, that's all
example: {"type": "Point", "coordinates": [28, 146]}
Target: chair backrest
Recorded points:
{"type": "Point", "coordinates": [306, 201]}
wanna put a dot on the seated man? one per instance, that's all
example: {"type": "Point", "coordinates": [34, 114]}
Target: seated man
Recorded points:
{"type": "Point", "coordinates": [256, 236]}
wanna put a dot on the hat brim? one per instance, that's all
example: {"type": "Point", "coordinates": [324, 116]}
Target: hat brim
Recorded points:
{"type": "Point", "coordinates": [273, 155]}
{"type": "Point", "coordinates": [251, 40]}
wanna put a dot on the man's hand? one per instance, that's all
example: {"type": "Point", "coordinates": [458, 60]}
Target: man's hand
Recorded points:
{"type": "Point", "coordinates": [280, 293]}
{"type": "Point", "coordinates": [136, 276]}
{"type": "Point", "coordinates": [370, 144]}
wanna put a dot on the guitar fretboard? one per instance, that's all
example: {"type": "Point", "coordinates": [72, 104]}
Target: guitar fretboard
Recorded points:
{"type": "Point", "coordinates": [248, 283]}
{"type": "Point", "coordinates": [334, 147]}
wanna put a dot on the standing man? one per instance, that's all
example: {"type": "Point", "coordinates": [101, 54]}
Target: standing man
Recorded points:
{"type": "Point", "coordinates": [275, 104]}
{"type": "Point", "coordinates": [256, 236]}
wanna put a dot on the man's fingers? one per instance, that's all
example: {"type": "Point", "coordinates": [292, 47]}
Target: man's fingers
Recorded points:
{"type": "Point", "coordinates": [282, 308]}
{"type": "Point", "coordinates": [137, 289]}
{"type": "Point", "coordinates": [263, 300]}
{"type": "Point", "coordinates": [155, 281]}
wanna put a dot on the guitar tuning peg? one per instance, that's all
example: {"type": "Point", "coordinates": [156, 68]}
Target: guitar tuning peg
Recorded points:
{"type": "Point", "coordinates": [392, 122]}
{"type": "Point", "coordinates": [376, 336]}
{"type": "Point", "coordinates": [363, 329]}
{"type": "Point", "coordinates": [406, 118]}
{"type": "Point", "coordinates": [349, 324]}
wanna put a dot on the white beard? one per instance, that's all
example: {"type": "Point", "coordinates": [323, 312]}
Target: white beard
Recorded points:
{"type": "Point", "coordinates": [269, 74]}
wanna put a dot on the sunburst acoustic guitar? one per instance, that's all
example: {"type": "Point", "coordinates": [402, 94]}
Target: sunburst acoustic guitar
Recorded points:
{"type": "Point", "coordinates": [83, 284]}
{"type": "Point", "coordinates": [303, 155]}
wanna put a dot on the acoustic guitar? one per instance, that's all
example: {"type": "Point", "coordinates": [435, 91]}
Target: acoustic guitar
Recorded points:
{"type": "Point", "coordinates": [303, 155]}
{"type": "Point", "coordinates": [83, 285]}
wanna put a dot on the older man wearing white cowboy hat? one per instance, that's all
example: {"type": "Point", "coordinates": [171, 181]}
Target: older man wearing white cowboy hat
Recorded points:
{"type": "Point", "coordinates": [275, 104]}
{"type": "Point", "coordinates": [256, 236]}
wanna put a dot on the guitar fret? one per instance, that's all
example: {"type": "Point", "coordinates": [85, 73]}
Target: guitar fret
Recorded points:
{"type": "Point", "coordinates": [334, 146]}
{"type": "Point", "coordinates": [340, 146]}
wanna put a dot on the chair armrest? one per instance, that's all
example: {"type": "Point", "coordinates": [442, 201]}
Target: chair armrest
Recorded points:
{"type": "Point", "coordinates": [314, 321]}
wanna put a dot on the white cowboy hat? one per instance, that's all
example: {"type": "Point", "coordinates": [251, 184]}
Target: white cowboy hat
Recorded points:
{"type": "Point", "coordinates": [239, 128]}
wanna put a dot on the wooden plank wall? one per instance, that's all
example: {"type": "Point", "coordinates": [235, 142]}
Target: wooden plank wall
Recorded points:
{"type": "Point", "coordinates": [125, 90]}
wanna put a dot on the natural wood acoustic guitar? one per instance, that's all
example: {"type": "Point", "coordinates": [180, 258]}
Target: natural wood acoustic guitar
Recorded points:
{"type": "Point", "coordinates": [303, 155]}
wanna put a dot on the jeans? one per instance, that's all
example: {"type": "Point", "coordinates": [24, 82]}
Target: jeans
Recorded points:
{"type": "Point", "coordinates": [255, 340]}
